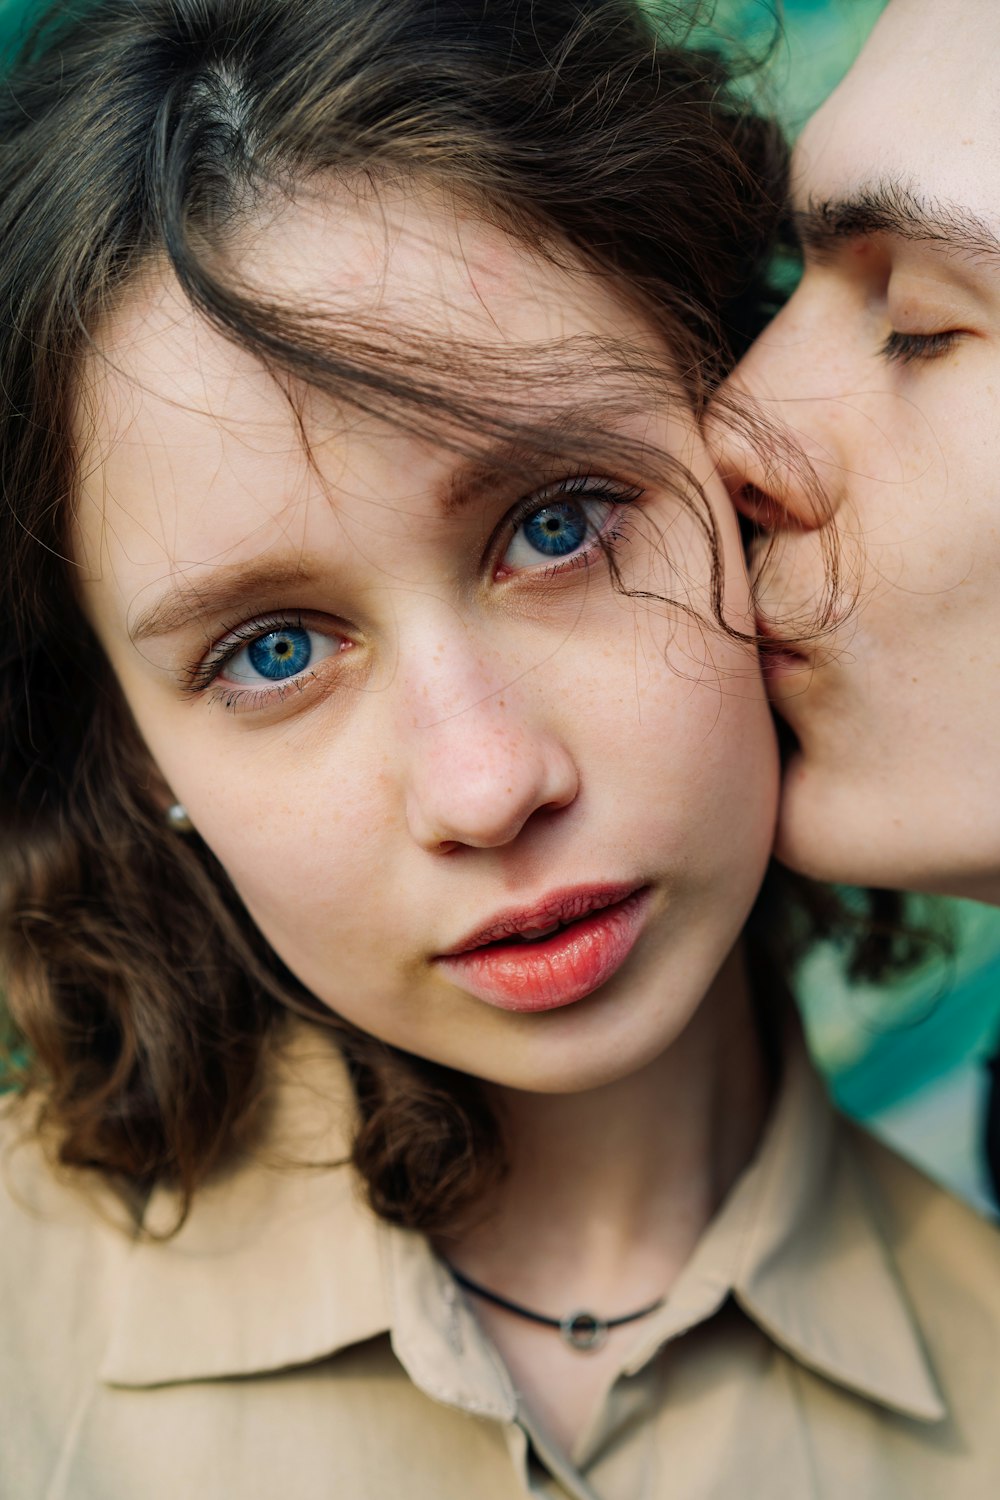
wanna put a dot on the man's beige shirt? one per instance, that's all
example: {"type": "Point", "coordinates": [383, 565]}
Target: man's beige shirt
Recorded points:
{"type": "Point", "coordinates": [837, 1334]}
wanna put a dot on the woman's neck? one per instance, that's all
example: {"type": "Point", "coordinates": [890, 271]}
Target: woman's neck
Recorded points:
{"type": "Point", "coordinates": [609, 1191]}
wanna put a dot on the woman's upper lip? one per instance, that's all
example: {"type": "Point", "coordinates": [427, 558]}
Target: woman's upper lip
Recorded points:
{"type": "Point", "coordinates": [566, 905]}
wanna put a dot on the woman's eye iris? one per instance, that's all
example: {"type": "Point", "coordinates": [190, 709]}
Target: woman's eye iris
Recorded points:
{"type": "Point", "coordinates": [556, 529]}
{"type": "Point", "coordinates": [278, 654]}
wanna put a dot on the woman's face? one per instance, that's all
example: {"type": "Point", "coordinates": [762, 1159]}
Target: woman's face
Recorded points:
{"type": "Point", "coordinates": [398, 693]}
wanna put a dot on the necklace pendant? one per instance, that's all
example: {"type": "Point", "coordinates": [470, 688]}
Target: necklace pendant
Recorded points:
{"type": "Point", "coordinates": [583, 1330]}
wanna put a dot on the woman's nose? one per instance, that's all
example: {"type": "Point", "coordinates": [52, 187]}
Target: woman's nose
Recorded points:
{"type": "Point", "coordinates": [778, 435]}
{"type": "Point", "coordinates": [482, 761]}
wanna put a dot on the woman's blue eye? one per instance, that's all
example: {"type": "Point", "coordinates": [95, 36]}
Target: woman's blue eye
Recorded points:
{"type": "Point", "coordinates": [556, 529]}
{"type": "Point", "coordinates": [280, 654]}
{"type": "Point", "coordinates": [277, 655]}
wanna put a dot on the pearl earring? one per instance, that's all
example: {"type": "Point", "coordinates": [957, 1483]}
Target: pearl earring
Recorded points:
{"type": "Point", "coordinates": [177, 818]}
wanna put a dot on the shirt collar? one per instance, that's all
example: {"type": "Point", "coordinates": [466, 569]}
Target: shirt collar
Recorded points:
{"type": "Point", "coordinates": [817, 1272]}
{"type": "Point", "coordinates": [281, 1263]}
{"type": "Point", "coordinates": [799, 1247]}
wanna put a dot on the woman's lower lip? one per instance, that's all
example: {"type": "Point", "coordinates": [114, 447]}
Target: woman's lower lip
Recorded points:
{"type": "Point", "coordinates": [558, 970]}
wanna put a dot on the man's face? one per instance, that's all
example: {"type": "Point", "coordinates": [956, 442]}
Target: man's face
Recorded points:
{"type": "Point", "coordinates": [885, 367]}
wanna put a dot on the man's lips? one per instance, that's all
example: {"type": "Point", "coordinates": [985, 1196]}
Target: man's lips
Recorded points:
{"type": "Point", "coordinates": [779, 658]}
{"type": "Point", "coordinates": [554, 953]}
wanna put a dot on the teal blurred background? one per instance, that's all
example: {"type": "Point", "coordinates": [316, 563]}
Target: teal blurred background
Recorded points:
{"type": "Point", "coordinates": [907, 1061]}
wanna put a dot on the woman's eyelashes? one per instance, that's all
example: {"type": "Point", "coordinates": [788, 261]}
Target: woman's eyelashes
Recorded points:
{"type": "Point", "coordinates": [565, 525]}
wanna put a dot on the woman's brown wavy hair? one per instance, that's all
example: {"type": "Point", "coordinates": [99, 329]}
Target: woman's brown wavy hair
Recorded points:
{"type": "Point", "coordinates": [139, 997]}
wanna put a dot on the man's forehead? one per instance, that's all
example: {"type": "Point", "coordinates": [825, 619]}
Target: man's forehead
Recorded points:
{"type": "Point", "coordinates": [920, 107]}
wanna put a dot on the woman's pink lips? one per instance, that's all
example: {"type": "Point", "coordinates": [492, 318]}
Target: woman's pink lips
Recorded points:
{"type": "Point", "coordinates": [557, 970]}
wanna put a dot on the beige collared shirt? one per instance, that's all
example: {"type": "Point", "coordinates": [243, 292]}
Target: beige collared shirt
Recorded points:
{"type": "Point", "coordinates": [836, 1334]}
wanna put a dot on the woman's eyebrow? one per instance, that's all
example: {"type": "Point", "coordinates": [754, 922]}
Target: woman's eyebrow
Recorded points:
{"type": "Point", "coordinates": [584, 432]}
{"type": "Point", "coordinates": [221, 592]}
{"type": "Point", "coordinates": [887, 206]}
{"type": "Point", "coordinates": [581, 433]}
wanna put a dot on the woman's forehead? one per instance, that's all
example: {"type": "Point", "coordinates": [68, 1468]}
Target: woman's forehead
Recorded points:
{"type": "Point", "coordinates": [413, 266]}
{"type": "Point", "coordinates": [175, 414]}
{"type": "Point", "coordinates": [412, 257]}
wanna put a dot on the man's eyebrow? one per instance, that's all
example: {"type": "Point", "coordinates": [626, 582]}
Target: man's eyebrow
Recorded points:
{"type": "Point", "coordinates": [890, 207]}
{"type": "Point", "coordinates": [222, 592]}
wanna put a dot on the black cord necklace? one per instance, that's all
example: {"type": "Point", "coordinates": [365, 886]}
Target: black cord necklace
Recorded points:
{"type": "Point", "coordinates": [580, 1330]}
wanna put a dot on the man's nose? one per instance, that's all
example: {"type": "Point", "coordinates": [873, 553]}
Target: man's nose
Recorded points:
{"type": "Point", "coordinates": [779, 432]}
{"type": "Point", "coordinates": [482, 757]}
